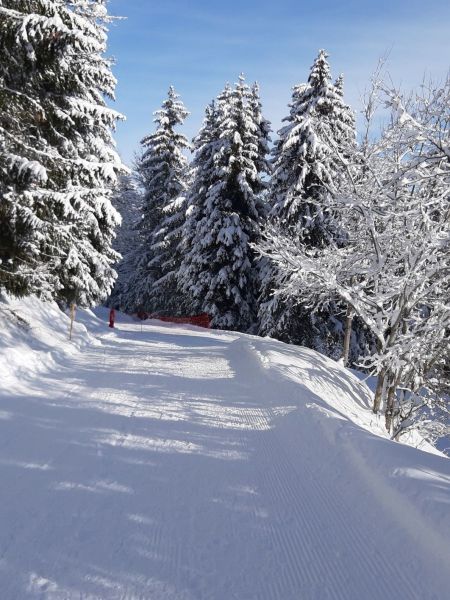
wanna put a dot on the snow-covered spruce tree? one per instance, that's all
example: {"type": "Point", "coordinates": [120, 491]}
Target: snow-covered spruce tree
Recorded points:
{"type": "Point", "coordinates": [263, 133]}
{"type": "Point", "coordinates": [57, 157]}
{"type": "Point", "coordinates": [203, 172]}
{"type": "Point", "coordinates": [127, 200]}
{"type": "Point", "coordinates": [319, 130]}
{"type": "Point", "coordinates": [164, 172]}
{"type": "Point", "coordinates": [394, 270]}
{"type": "Point", "coordinates": [205, 146]}
{"type": "Point", "coordinates": [224, 209]}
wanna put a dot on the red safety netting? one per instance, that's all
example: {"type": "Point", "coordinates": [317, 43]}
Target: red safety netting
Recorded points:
{"type": "Point", "coordinates": [202, 320]}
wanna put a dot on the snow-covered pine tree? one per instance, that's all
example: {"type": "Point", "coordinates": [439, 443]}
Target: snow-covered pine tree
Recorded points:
{"type": "Point", "coordinates": [225, 208]}
{"type": "Point", "coordinates": [319, 129]}
{"type": "Point", "coordinates": [263, 132]}
{"type": "Point", "coordinates": [164, 172]}
{"type": "Point", "coordinates": [57, 156]}
{"type": "Point", "coordinates": [128, 202]}
{"type": "Point", "coordinates": [203, 173]}
{"type": "Point", "coordinates": [339, 85]}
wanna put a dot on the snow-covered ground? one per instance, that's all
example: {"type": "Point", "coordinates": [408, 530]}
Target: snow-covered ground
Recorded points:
{"type": "Point", "coordinates": [167, 463]}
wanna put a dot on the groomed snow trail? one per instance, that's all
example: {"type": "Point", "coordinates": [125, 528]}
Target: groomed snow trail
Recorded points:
{"type": "Point", "coordinates": [181, 464]}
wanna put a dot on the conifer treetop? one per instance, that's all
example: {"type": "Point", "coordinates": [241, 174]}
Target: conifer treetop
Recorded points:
{"type": "Point", "coordinates": [339, 84]}
{"type": "Point", "coordinates": [163, 164]}
{"type": "Point", "coordinates": [320, 73]}
{"type": "Point", "coordinates": [173, 112]}
{"type": "Point", "coordinates": [318, 126]}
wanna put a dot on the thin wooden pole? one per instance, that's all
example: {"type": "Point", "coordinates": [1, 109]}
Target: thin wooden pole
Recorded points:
{"type": "Point", "coordinates": [72, 319]}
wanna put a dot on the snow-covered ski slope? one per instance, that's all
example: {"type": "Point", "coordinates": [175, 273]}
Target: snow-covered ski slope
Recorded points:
{"type": "Point", "coordinates": [169, 463]}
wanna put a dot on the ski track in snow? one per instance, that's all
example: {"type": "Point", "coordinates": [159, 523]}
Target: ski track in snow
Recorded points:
{"type": "Point", "coordinates": [180, 464]}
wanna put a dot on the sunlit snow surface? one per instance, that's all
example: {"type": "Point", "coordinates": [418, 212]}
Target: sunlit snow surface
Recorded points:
{"type": "Point", "coordinates": [163, 463]}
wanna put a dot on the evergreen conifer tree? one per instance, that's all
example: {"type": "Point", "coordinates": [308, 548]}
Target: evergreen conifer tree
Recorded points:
{"type": "Point", "coordinates": [225, 208]}
{"type": "Point", "coordinates": [128, 202]}
{"type": "Point", "coordinates": [263, 132]}
{"type": "Point", "coordinates": [206, 145]}
{"type": "Point", "coordinates": [319, 128]}
{"type": "Point", "coordinates": [164, 171]}
{"type": "Point", "coordinates": [57, 157]}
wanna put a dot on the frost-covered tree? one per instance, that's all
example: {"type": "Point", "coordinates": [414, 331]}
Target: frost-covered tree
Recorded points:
{"type": "Point", "coordinates": [319, 130]}
{"type": "Point", "coordinates": [57, 157]}
{"type": "Point", "coordinates": [224, 208]}
{"type": "Point", "coordinates": [164, 171]}
{"type": "Point", "coordinates": [394, 270]}
{"type": "Point", "coordinates": [205, 146]}
{"type": "Point", "coordinates": [127, 200]}
{"type": "Point", "coordinates": [263, 133]}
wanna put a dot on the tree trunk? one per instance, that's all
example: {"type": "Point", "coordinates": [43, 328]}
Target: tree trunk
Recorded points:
{"type": "Point", "coordinates": [347, 336]}
{"type": "Point", "coordinates": [379, 393]}
{"type": "Point", "coordinates": [392, 396]}
{"type": "Point", "coordinates": [389, 413]}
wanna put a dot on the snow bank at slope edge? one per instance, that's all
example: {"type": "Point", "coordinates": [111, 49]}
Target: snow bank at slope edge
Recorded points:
{"type": "Point", "coordinates": [34, 337]}
{"type": "Point", "coordinates": [344, 394]}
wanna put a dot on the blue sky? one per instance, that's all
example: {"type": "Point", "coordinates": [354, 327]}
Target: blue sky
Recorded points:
{"type": "Point", "coordinates": [199, 45]}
